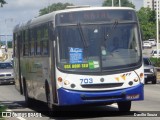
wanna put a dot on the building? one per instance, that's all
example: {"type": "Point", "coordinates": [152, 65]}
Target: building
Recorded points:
{"type": "Point", "coordinates": [153, 4]}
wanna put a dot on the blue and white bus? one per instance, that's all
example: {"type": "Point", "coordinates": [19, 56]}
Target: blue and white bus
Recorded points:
{"type": "Point", "coordinates": [80, 56]}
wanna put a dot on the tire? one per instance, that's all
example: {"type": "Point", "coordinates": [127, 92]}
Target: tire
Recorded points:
{"type": "Point", "coordinates": [28, 101]}
{"type": "Point", "coordinates": [49, 102]}
{"type": "Point", "coordinates": [52, 109]}
{"type": "Point", "coordinates": [124, 106]}
{"type": "Point", "coordinates": [145, 81]}
{"type": "Point", "coordinates": [154, 81]}
{"type": "Point", "coordinates": [48, 97]}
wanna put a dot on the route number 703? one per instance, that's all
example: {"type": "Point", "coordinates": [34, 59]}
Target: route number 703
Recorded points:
{"type": "Point", "coordinates": [86, 81]}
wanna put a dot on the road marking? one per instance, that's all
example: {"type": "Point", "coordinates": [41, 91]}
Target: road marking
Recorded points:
{"type": "Point", "coordinates": [20, 118]}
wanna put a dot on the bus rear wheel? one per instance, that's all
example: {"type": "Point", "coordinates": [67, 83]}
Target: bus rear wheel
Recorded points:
{"type": "Point", "coordinates": [124, 106]}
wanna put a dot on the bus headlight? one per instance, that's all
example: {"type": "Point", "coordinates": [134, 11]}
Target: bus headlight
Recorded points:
{"type": "Point", "coordinates": [136, 80]}
{"type": "Point", "coordinates": [66, 82]}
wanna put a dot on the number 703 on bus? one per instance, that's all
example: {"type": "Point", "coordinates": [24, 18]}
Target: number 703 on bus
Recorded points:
{"type": "Point", "coordinates": [86, 81]}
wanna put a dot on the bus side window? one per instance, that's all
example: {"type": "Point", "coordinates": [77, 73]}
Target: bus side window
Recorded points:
{"type": "Point", "coordinates": [38, 43]}
{"type": "Point", "coordinates": [14, 43]}
{"type": "Point", "coordinates": [32, 41]}
{"type": "Point", "coordinates": [25, 42]}
{"type": "Point", "coordinates": [45, 40]}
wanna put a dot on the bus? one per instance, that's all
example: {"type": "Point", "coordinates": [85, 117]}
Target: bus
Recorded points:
{"type": "Point", "coordinates": [80, 56]}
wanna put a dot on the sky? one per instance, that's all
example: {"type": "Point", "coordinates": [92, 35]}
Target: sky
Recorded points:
{"type": "Point", "coordinates": [19, 11]}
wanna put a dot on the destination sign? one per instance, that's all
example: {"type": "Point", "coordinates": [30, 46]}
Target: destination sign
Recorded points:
{"type": "Point", "coordinates": [94, 16]}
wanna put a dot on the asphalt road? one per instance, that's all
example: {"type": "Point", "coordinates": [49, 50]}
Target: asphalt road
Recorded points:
{"type": "Point", "coordinates": [147, 51]}
{"type": "Point", "coordinates": [15, 102]}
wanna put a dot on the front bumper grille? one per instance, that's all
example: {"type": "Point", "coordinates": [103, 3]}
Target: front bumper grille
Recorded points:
{"type": "Point", "coordinates": [107, 85]}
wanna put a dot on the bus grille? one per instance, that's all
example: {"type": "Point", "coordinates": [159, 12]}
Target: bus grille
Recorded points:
{"type": "Point", "coordinates": [103, 97]}
{"type": "Point", "coordinates": [107, 85]}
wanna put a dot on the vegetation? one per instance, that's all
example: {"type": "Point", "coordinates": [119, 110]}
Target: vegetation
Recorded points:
{"type": "Point", "coordinates": [155, 61]}
{"type": "Point", "coordinates": [54, 7]}
{"type": "Point", "coordinates": [124, 3]}
{"type": "Point", "coordinates": [2, 2]}
{"type": "Point", "coordinates": [146, 16]}
{"type": "Point", "coordinates": [147, 19]}
{"type": "Point", "coordinates": [2, 109]}
{"type": "Point", "coordinates": [9, 43]}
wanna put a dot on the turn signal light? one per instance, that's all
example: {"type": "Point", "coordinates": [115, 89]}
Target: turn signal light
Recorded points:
{"type": "Point", "coordinates": [60, 79]}
{"type": "Point", "coordinates": [141, 75]}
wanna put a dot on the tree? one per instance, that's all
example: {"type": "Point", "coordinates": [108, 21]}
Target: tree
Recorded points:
{"type": "Point", "coordinates": [9, 44]}
{"type": "Point", "coordinates": [54, 7]}
{"type": "Point", "coordinates": [124, 3]}
{"type": "Point", "coordinates": [147, 20]}
{"type": "Point", "coordinates": [2, 2]}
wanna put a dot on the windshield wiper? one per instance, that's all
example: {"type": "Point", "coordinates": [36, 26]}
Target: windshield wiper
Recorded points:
{"type": "Point", "coordinates": [85, 43]}
{"type": "Point", "coordinates": [107, 35]}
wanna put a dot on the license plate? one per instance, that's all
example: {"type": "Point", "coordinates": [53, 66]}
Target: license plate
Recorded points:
{"type": "Point", "coordinates": [130, 97]}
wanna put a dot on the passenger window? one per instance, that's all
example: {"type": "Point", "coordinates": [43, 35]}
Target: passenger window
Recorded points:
{"type": "Point", "coordinates": [38, 42]}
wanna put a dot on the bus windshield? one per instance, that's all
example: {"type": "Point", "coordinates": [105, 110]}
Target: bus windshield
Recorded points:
{"type": "Point", "coordinates": [99, 46]}
{"type": "Point", "coordinates": [107, 48]}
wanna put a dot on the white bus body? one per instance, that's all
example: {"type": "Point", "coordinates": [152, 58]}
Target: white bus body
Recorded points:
{"type": "Point", "coordinates": [80, 56]}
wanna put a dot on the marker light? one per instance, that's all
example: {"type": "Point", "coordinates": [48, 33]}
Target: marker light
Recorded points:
{"type": "Point", "coordinates": [60, 79]}
{"type": "Point", "coordinates": [141, 75]}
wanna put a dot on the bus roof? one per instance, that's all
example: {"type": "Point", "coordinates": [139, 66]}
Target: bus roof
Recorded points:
{"type": "Point", "coordinates": [93, 8]}
{"type": "Point", "coordinates": [50, 16]}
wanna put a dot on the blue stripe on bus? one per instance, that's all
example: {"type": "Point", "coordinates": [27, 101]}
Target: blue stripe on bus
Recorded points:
{"type": "Point", "coordinates": [70, 97]}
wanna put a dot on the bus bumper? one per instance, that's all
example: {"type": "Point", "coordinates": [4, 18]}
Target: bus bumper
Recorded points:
{"type": "Point", "coordinates": [70, 97]}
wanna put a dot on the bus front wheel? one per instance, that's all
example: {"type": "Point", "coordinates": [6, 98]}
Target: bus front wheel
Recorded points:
{"type": "Point", "coordinates": [124, 106]}
{"type": "Point", "coordinates": [48, 97]}
{"type": "Point", "coordinates": [28, 100]}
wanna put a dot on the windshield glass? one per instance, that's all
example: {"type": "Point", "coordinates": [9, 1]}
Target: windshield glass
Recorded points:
{"type": "Point", "coordinates": [98, 47]}
{"type": "Point", "coordinates": [6, 66]}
